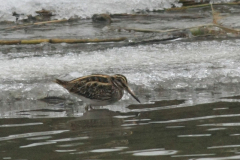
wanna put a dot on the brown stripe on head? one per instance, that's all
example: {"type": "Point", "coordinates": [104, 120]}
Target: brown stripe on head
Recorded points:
{"type": "Point", "coordinates": [120, 81]}
{"type": "Point", "coordinates": [120, 76]}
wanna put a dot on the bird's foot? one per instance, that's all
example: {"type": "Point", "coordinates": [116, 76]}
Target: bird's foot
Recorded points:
{"type": "Point", "coordinates": [88, 107]}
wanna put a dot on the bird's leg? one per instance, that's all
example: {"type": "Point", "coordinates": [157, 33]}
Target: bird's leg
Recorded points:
{"type": "Point", "coordinates": [88, 107]}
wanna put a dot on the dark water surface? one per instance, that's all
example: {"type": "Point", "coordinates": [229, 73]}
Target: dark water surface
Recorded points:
{"type": "Point", "coordinates": [165, 130]}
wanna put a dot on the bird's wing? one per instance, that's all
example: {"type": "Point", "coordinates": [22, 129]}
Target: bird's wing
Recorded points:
{"type": "Point", "coordinates": [93, 90]}
{"type": "Point", "coordinates": [81, 81]}
{"type": "Point", "coordinates": [96, 77]}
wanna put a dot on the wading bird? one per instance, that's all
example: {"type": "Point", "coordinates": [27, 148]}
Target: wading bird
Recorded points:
{"type": "Point", "coordinates": [98, 89]}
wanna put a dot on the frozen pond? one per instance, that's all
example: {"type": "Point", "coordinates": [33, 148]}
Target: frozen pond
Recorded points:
{"type": "Point", "coordinates": [189, 88]}
{"type": "Point", "coordinates": [181, 68]}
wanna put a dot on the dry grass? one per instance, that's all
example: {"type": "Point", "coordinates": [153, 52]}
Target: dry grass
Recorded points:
{"type": "Point", "coordinates": [216, 16]}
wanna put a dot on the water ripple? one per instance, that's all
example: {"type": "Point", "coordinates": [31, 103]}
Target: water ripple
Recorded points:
{"type": "Point", "coordinates": [69, 139]}
{"type": "Point", "coordinates": [197, 118]}
{"type": "Point", "coordinates": [153, 152]}
{"type": "Point", "coordinates": [25, 135]}
{"type": "Point", "coordinates": [37, 144]}
{"type": "Point", "coordinates": [225, 146]}
{"type": "Point", "coordinates": [219, 158]}
{"type": "Point", "coordinates": [73, 150]}
{"type": "Point", "coordinates": [20, 125]}
{"type": "Point", "coordinates": [108, 149]}
{"type": "Point", "coordinates": [195, 135]}
{"type": "Point", "coordinates": [194, 155]}
{"type": "Point", "coordinates": [221, 124]}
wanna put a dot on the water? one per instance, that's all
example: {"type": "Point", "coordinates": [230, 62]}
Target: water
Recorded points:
{"type": "Point", "coordinates": [189, 89]}
{"type": "Point", "coordinates": [170, 133]}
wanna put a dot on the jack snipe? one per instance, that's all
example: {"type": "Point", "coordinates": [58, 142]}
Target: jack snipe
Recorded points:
{"type": "Point", "coordinates": [98, 89]}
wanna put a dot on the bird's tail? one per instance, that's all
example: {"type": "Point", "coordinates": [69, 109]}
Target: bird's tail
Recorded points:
{"type": "Point", "coordinates": [65, 84]}
{"type": "Point", "coordinates": [61, 82]}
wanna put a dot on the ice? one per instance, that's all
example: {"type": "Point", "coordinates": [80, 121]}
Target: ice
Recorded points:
{"type": "Point", "coordinates": [180, 65]}
{"type": "Point", "coordinates": [219, 1]}
{"type": "Point", "coordinates": [80, 8]}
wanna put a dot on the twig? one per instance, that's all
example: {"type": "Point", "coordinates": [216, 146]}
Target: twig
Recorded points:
{"type": "Point", "coordinates": [196, 31]}
{"type": "Point", "coordinates": [35, 24]}
{"type": "Point", "coordinates": [37, 41]}
{"type": "Point", "coordinates": [53, 21]}
{"type": "Point", "coordinates": [86, 40]}
{"type": "Point", "coordinates": [34, 41]}
{"type": "Point", "coordinates": [216, 15]}
{"type": "Point", "coordinates": [161, 31]}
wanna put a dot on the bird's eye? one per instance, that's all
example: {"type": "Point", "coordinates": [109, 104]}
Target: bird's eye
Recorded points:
{"type": "Point", "coordinates": [119, 80]}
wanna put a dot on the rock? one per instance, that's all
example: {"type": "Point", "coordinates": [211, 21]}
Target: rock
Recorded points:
{"type": "Point", "coordinates": [44, 12]}
{"type": "Point", "coordinates": [101, 18]}
{"type": "Point", "coordinates": [17, 15]}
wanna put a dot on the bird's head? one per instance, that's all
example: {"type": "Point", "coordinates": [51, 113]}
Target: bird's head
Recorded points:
{"type": "Point", "coordinates": [121, 82]}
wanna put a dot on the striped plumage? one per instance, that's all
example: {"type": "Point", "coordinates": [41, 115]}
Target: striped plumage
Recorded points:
{"type": "Point", "coordinates": [98, 89]}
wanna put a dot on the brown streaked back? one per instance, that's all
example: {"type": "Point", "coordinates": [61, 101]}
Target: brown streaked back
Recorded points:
{"type": "Point", "coordinates": [95, 77]}
{"type": "Point", "coordinates": [81, 81]}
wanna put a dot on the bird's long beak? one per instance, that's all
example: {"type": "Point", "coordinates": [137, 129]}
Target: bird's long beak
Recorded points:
{"type": "Point", "coordinates": [132, 94]}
